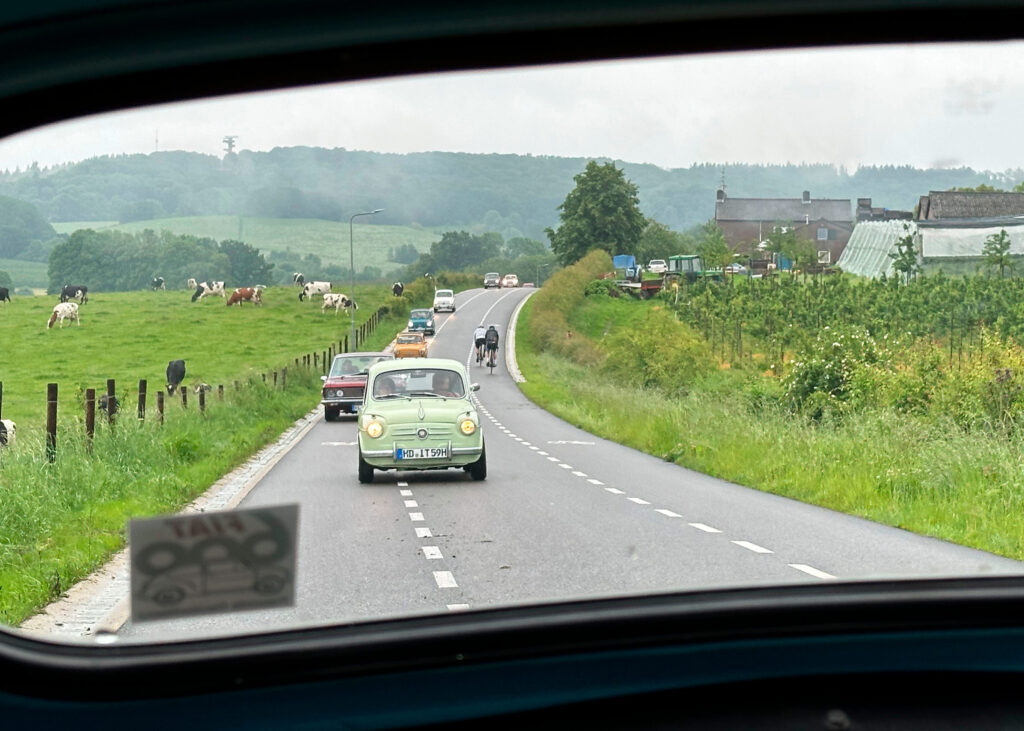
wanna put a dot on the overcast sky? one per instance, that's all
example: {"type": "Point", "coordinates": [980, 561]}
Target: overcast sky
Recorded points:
{"type": "Point", "coordinates": [927, 106]}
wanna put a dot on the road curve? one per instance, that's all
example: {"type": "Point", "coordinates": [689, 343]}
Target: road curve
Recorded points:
{"type": "Point", "coordinates": [563, 514]}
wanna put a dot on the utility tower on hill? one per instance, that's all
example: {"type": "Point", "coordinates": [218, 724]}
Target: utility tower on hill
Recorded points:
{"type": "Point", "coordinates": [229, 144]}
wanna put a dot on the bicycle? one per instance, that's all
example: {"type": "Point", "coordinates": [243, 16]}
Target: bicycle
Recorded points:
{"type": "Point", "coordinates": [491, 361]}
{"type": "Point", "coordinates": [480, 354]}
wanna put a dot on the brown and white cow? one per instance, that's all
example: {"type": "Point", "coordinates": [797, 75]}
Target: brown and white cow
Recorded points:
{"type": "Point", "coordinates": [337, 301]}
{"type": "Point", "coordinates": [64, 311]}
{"type": "Point", "coordinates": [246, 294]}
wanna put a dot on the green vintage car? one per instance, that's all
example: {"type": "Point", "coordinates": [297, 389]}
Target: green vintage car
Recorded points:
{"type": "Point", "coordinates": [419, 416]}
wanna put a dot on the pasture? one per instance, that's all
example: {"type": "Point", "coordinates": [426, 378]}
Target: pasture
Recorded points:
{"type": "Point", "coordinates": [130, 336]}
{"type": "Point", "coordinates": [25, 273]}
{"type": "Point", "coordinates": [328, 240]}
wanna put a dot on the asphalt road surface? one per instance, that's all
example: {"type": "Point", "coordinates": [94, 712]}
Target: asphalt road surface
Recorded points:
{"type": "Point", "coordinates": [563, 514]}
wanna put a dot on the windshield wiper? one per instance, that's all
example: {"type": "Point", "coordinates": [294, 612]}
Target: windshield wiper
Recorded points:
{"type": "Point", "coordinates": [424, 393]}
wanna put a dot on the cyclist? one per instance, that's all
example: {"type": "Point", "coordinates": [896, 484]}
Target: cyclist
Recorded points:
{"type": "Point", "coordinates": [478, 340]}
{"type": "Point", "coordinates": [491, 342]}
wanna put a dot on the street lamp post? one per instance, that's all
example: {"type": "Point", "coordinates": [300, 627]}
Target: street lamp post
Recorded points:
{"type": "Point", "coordinates": [352, 267]}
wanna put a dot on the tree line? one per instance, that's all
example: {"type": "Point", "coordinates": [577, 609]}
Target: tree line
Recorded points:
{"type": "Point", "coordinates": [514, 195]}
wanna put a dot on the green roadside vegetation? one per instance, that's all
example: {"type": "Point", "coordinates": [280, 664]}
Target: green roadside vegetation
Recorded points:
{"type": "Point", "coordinates": [61, 521]}
{"type": "Point", "coordinates": [882, 409]}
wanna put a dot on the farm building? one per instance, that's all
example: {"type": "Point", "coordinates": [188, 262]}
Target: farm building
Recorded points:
{"type": "Point", "coordinates": [954, 225]}
{"type": "Point", "coordinates": [746, 222]}
{"type": "Point", "coordinates": [867, 252]}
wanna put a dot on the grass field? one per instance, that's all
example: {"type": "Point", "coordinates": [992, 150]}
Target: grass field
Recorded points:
{"type": "Point", "coordinates": [61, 521]}
{"type": "Point", "coordinates": [328, 240]}
{"type": "Point", "coordinates": [130, 336]}
{"type": "Point", "coordinates": [25, 273]}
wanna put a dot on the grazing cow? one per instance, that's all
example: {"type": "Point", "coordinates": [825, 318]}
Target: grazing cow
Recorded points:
{"type": "Point", "coordinates": [310, 289]}
{"type": "Point", "coordinates": [64, 311]}
{"type": "Point", "coordinates": [192, 283]}
{"type": "Point", "coordinates": [111, 406]}
{"type": "Point", "coordinates": [175, 375]}
{"type": "Point", "coordinates": [74, 291]}
{"type": "Point", "coordinates": [5, 294]}
{"type": "Point", "coordinates": [158, 283]}
{"type": "Point", "coordinates": [337, 301]}
{"type": "Point", "coordinates": [397, 288]}
{"type": "Point", "coordinates": [207, 288]}
{"type": "Point", "coordinates": [246, 294]}
{"type": "Point", "coordinates": [7, 433]}
{"type": "Point", "coordinates": [298, 279]}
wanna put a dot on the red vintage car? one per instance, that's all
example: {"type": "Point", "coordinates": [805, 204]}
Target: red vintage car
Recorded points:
{"type": "Point", "coordinates": [345, 383]}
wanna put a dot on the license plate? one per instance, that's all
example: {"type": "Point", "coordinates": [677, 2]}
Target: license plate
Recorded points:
{"type": "Point", "coordinates": [423, 453]}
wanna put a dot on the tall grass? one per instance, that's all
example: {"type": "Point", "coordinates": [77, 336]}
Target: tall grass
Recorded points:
{"type": "Point", "coordinates": [921, 473]}
{"type": "Point", "coordinates": [60, 521]}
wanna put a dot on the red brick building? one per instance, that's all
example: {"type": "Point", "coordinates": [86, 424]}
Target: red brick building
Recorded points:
{"type": "Point", "coordinates": [746, 222]}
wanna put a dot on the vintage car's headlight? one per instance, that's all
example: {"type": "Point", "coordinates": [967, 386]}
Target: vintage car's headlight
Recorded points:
{"type": "Point", "coordinates": [410, 325]}
{"type": "Point", "coordinates": [467, 427]}
{"type": "Point", "coordinates": [374, 429]}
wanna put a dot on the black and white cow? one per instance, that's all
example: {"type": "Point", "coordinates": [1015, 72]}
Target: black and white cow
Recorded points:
{"type": "Point", "coordinates": [175, 375]}
{"type": "Point", "coordinates": [158, 283]}
{"type": "Point", "coordinates": [309, 289]}
{"type": "Point", "coordinates": [109, 406]}
{"type": "Point", "coordinates": [207, 288]}
{"type": "Point", "coordinates": [5, 294]}
{"type": "Point", "coordinates": [191, 284]}
{"type": "Point", "coordinates": [74, 291]}
{"type": "Point", "coordinates": [298, 279]}
{"type": "Point", "coordinates": [337, 301]}
{"type": "Point", "coordinates": [397, 288]}
{"type": "Point", "coordinates": [7, 433]}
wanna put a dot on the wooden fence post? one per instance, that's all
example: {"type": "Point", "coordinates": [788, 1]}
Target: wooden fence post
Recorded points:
{"type": "Point", "coordinates": [142, 400]}
{"type": "Point", "coordinates": [264, 377]}
{"type": "Point", "coordinates": [184, 398]}
{"type": "Point", "coordinates": [111, 404]}
{"type": "Point", "coordinates": [220, 392]}
{"type": "Point", "coordinates": [284, 378]}
{"type": "Point", "coordinates": [325, 363]}
{"type": "Point", "coordinates": [316, 360]}
{"type": "Point", "coordinates": [202, 400]}
{"type": "Point", "coordinates": [160, 406]}
{"type": "Point", "coordinates": [236, 385]}
{"type": "Point", "coordinates": [51, 422]}
{"type": "Point", "coordinates": [90, 416]}
{"type": "Point", "coordinates": [275, 379]}
{"type": "Point", "coordinates": [1, 399]}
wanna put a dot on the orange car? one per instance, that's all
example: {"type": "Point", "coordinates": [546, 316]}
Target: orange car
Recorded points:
{"type": "Point", "coordinates": [411, 345]}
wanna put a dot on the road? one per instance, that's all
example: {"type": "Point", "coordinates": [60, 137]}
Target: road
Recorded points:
{"type": "Point", "coordinates": [563, 514]}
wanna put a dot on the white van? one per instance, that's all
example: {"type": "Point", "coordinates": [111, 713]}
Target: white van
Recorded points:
{"type": "Point", "coordinates": [444, 299]}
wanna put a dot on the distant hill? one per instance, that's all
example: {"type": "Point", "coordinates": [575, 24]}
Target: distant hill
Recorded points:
{"type": "Point", "coordinates": [515, 195]}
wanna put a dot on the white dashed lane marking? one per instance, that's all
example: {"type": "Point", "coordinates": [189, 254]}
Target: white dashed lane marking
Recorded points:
{"type": "Point", "coordinates": [753, 547]}
{"type": "Point", "coordinates": [592, 481]}
{"type": "Point", "coordinates": [458, 607]}
{"type": "Point", "coordinates": [403, 484]}
{"type": "Point", "coordinates": [614, 491]}
{"type": "Point", "coordinates": [338, 444]}
{"type": "Point", "coordinates": [445, 580]}
{"type": "Point", "coordinates": [411, 504]}
{"type": "Point", "coordinates": [565, 466]}
{"type": "Point", "coordinates": [424, 533]}
{"type": "Point", "coordinates": [811, 570]}
{"type": "Point", "coordinates": [416, 517]}
{"type": "Point", "coordinates": [432, 552]}
{"type": "Point", "coordinates": [405, 493]}
{"type": "Point", "coordinates": [668, 513]}
{"type": "Point", "coordinates": [579, 474]}
{"type": "Point", "coordinates": [638, 501]}
{"type": "Point", "coordinates": [705, 528]}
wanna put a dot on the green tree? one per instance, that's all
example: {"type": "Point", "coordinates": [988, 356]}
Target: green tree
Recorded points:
{"type": "Point", "coordinates": [905, 257]}
{"type": "Point", "coordinates": [247, 264]}
{"type": "Point", "coordinates": [997, 252]}
{"type": "Point", "coordinates": [601, 212]}
{"type": "Point", "coordinates": [713, 249]}
{"type": "Point", "coordinates": [658, 241]}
